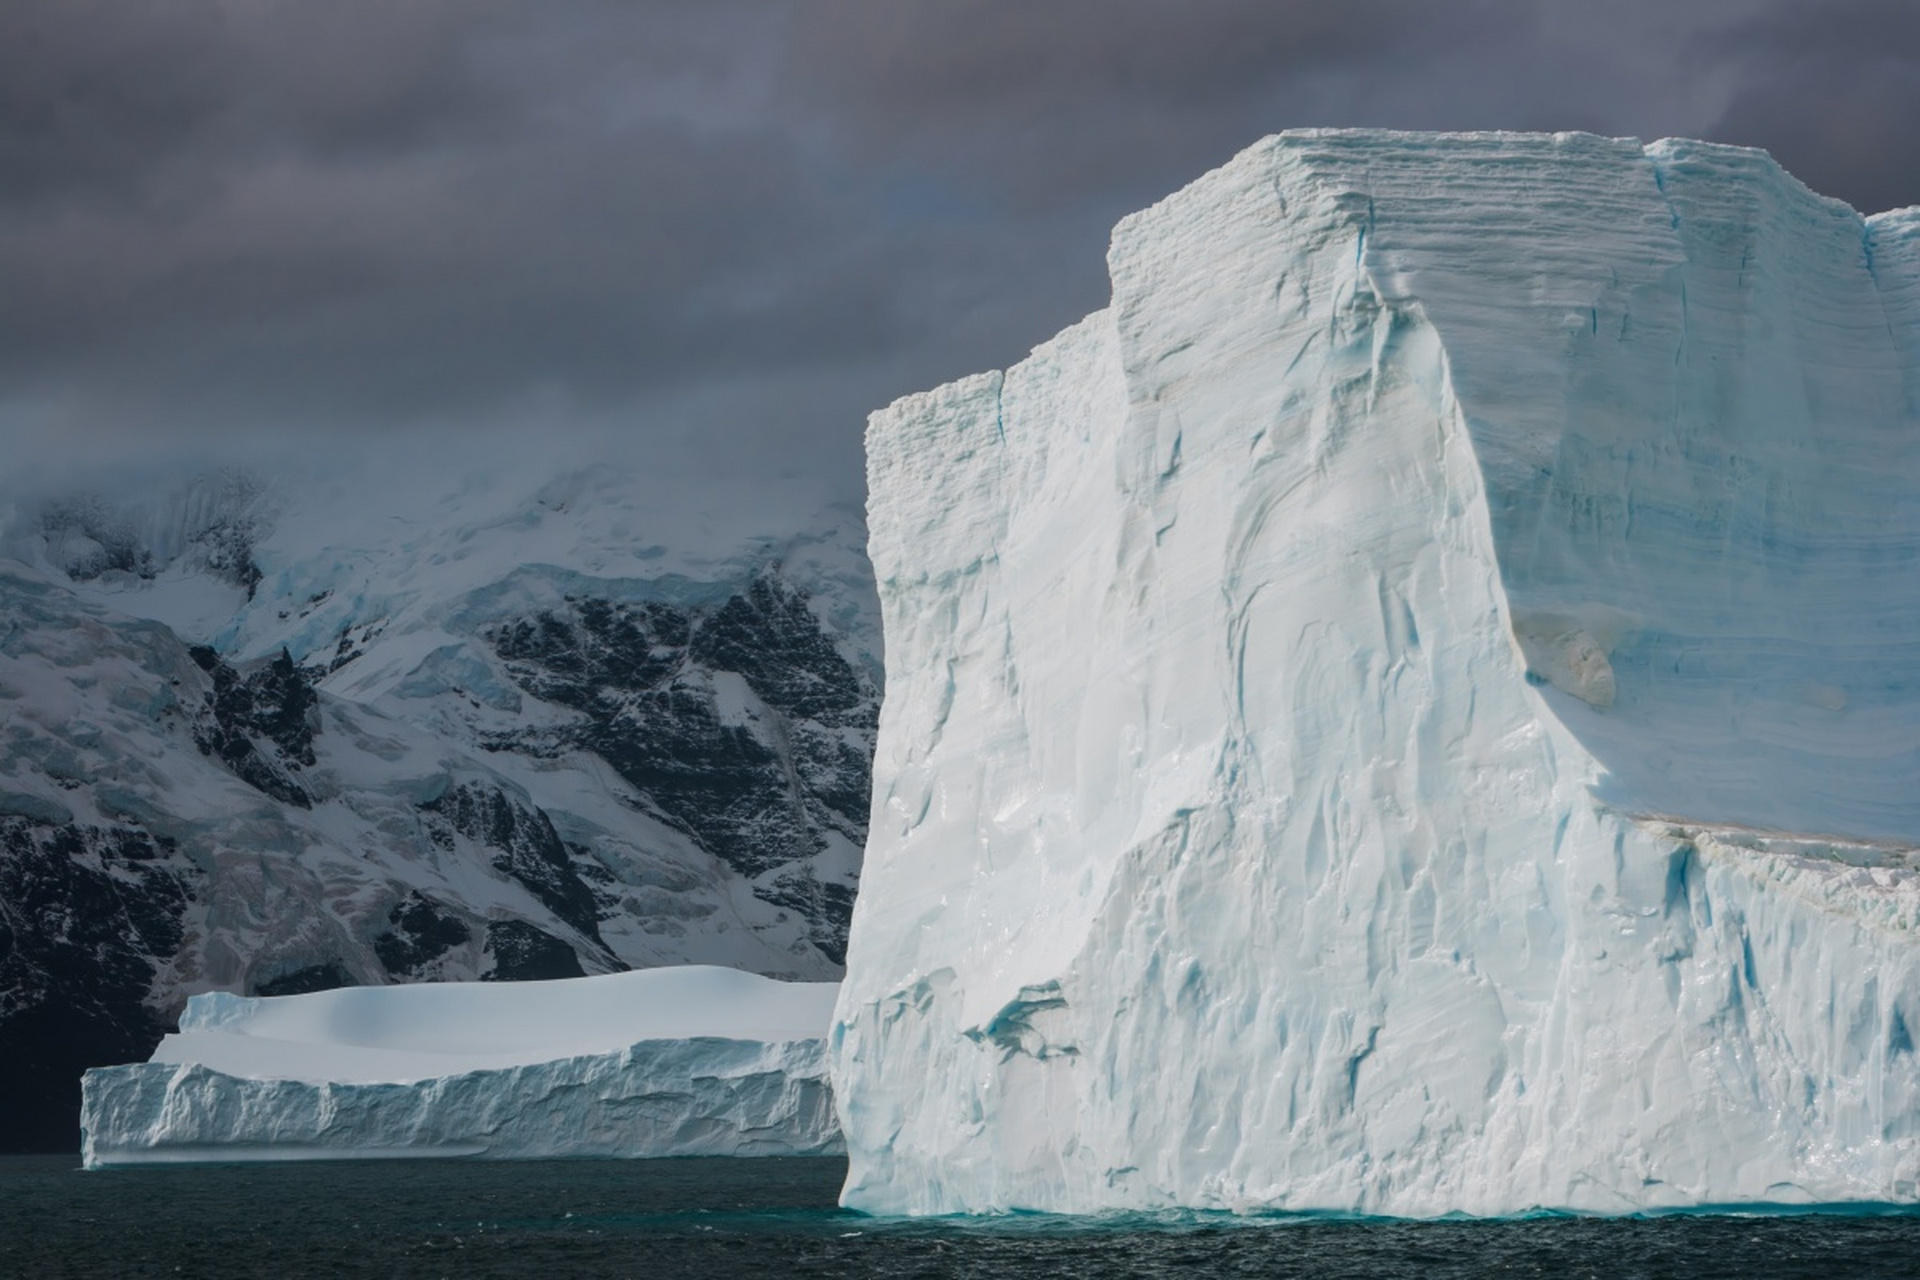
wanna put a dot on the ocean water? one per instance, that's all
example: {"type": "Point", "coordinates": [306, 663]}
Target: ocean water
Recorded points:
{"type": "Point", "coordinates": [715, 1219]}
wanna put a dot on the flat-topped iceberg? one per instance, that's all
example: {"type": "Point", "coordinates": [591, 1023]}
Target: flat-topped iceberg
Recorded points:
{"type": "Point", "coordinates": [1415, 708]}
{"type": "Point", "coordinates": [658, 1062]}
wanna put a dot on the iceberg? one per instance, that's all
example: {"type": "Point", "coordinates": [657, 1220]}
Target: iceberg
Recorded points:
{"type": "Point", "coordinates": [696, 1060]}
{"type": "Point", "coordinates": [1413, 709]}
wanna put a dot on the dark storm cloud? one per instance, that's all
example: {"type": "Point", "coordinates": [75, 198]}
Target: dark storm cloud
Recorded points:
{"type": "Point", "coordinates": [731, 227]}
{"type": "Point", "coordinates": [106, 100]}
{"type": "Point", "coordinates": [1833, 90]}
{"type": "Point", "coordinates": [1050, 103]}
{"type": "Point", "coordinates": [325, 216]}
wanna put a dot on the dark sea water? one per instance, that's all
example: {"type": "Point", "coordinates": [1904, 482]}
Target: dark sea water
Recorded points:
{"type": "Point", "coordinates": [721, 1218]}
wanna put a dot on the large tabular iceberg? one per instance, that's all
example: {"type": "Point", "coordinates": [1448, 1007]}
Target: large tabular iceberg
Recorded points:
{"type": "Point", "coordinates": [1414, 708]}
{"type": "Point", "coordinates": [659, 1062]}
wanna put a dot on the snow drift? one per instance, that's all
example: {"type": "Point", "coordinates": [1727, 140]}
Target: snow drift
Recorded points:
{"type": "Point", "coordinates": [659, 1062]}
{"type": "Point", "coordinates": [1414, 708]}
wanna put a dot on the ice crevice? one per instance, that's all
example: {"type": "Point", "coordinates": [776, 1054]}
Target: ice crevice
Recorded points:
{"type": "Point", "coordinates": [1405, 803]}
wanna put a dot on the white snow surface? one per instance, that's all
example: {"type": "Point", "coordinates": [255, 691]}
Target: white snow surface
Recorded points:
{"type": "Point", "coordinates": [1413, 709]}
{"type": "Point", "coordinates": [402, 1034]}
{"type": "Point", "coordinates": [694, 1060]}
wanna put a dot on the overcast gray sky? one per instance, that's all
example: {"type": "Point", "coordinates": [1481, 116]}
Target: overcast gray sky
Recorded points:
{"type": "Point", "coordinates": [721, 232]}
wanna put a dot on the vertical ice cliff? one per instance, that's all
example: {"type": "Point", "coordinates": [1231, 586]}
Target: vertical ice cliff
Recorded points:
{"type": "Point", "coordinates": [1414, 708]}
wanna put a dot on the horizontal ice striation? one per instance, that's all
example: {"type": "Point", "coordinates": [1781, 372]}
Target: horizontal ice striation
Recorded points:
{"type": "Point", "coordinates": [1412, 709]}
{"type": "Point", "coordinates": [660, 1062]}
{"type": "Point", "coordinates": [669, 1098]}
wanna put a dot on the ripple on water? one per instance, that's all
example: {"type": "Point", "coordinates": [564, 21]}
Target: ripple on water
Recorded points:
{"type": "Point", "coordinates": [721, 1218]}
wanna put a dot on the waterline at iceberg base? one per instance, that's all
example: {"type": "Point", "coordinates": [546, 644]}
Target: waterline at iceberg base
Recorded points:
{"type": "Point", "coordinates": [688, 1061]}
{"type": "Point", "coordinates": [1413, 709]}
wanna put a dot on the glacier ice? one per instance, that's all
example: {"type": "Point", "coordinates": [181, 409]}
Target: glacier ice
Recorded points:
{"type": "Point", "coordinates": [1414, 708]}
{"type": "Point", "coordinates": [696, 1060]}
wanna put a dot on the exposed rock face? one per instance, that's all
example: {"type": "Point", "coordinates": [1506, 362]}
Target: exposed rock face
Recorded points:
{"type": "Point", "coordinates": [212, 526]}
{"type": "Point", "coordinates": [744, 727]}
{"type": "Point", "coordinates": [524, 847]}
{"type": "Point", "coordinates": [85, 910]}
{"type": "Point", "coordinates": [261, 725]}
{"type": "Point", "coordinates": [420, 935]}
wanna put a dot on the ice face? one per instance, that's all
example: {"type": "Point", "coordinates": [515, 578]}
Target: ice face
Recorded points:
{"type": "Point", "coordinates": [693, 1060]}
{"type": "Point", "coordinates": [1412, 709]}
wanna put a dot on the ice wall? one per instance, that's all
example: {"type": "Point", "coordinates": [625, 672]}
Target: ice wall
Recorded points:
{"type": "Point", "coordinates": [1412, 709]}
{"type": "Point", "coordinates": [687, 1061]}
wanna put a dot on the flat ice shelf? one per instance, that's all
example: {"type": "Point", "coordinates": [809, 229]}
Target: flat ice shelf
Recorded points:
{"type": "Point", "coordinates": [695, 1060]}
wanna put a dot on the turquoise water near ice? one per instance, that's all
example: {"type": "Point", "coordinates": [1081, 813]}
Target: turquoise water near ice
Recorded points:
{"type": "Point", "coordinates": [722, 1218]}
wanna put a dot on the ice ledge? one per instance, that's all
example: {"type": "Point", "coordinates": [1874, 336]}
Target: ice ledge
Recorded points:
{"type": "Point", "coordinates": [1875, 883]}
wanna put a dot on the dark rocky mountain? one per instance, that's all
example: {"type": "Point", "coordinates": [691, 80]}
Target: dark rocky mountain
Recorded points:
{"type": "Point", "coordinates": [761, 788]}
{"type": "Point", "coordinates": [85, 912]}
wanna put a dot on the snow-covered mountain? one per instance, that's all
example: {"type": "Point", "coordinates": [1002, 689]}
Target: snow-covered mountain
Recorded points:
{"type": "Point", "coordinates": [1415, 708]}
{"type": "Point", "coordinates": [275, 733]}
